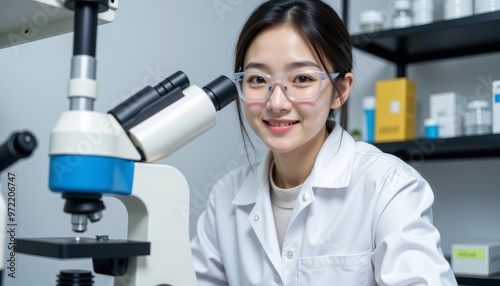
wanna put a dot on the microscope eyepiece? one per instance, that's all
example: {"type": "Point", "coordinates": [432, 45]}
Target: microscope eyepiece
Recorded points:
{"type": "Point", "coordinates": [221, 91]}
{"type": "Point", "coordinates": [128, 110]}
{"type": "Point", "coordinates": [177, 79]}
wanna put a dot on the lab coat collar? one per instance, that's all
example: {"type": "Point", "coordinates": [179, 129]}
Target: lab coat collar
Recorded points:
{"type": "Point", "coordinates": [334, 163]}
{"type": "Point", "coordinates": [332, 168]}
{"type": "Point", "coordinates": [255, 183]}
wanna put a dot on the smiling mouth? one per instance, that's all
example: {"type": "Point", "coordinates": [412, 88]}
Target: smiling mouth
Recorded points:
{"type": "Point", "coordinates": [281, 124]}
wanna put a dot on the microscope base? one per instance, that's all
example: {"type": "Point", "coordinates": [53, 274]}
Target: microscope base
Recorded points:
{"type": "Point", "coordinates": [158, 212]}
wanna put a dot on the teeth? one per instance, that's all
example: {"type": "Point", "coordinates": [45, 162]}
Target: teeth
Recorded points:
{"type": "Point", "coordinates": [281, 124]}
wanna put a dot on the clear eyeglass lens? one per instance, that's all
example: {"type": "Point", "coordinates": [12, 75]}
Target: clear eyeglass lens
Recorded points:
{"type": "Point", "coordinates": [300, 85]}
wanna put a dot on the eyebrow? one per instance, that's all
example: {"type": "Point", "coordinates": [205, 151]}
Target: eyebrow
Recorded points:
{"type": "Point", "coordinates": [289, 66]}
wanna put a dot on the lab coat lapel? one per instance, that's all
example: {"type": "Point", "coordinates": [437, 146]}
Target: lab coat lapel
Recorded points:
{"type": "Point", "coordinates": [332, 169]}
{"type": "Point", "coordinates": [333, 166]}
{"type": "Point", "coordinates": [255, 190]}
{"type": "Point", "coordinates": [305, 198]}
{"type": "Point", "coordinates": [262, 221]}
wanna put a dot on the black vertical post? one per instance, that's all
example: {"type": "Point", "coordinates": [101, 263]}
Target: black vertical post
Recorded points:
{"type": "Point", "coordinates": [401, 70]}
{"type": "Point", "coordinates": [345, 18]}
{"type": "Point", "coordinates": [345, 12]}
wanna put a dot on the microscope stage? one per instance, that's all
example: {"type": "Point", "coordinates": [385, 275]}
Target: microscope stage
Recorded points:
{"type": "Point", "coordinates": [81, 247]}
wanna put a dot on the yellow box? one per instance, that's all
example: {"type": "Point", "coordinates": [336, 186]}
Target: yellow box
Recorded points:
{"type": "Point", "coordinates": [395, 110]}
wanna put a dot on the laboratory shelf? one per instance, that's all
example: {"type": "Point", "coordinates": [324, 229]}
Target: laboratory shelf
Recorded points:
{"type": "Point", "coordinates": [467, 36]}
{"type": "Point", "coordinates": [493, 280]}
{"type": "Point", "coordinates": [477, 146]}
{"type": "Point", "coordinates": [471, 35]}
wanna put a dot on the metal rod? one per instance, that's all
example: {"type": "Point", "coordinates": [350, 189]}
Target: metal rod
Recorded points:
{"type": "Point", "coordinates": [85, 37]}
{"type": "Point", "coordinates": [83, 64]}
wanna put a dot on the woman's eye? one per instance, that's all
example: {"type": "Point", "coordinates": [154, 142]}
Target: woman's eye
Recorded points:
{"type": "Point", "coordinates": [302, 79]}
{"type": "Point", "coordinates": [257, 80]}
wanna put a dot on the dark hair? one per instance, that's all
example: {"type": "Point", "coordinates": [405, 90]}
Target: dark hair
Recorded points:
{"type": "Point", "coordinates": [319, 24]}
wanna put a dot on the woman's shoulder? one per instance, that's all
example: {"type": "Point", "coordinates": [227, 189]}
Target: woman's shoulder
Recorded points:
{"type": "Point", "coordinates": [235, 175]}
{"type": "Point", "coordinates": [368, 154]}
{"type": "Point", "coordinates": [240, 176]}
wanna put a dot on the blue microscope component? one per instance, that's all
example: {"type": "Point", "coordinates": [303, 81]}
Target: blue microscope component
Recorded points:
{"type": "Point", "coordinates": [91, 174]}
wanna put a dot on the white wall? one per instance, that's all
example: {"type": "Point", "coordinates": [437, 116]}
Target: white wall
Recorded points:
{"type": "Point", "coordinates": [151, 39]}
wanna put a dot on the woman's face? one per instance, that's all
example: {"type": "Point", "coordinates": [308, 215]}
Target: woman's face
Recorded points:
{"type": "Point", "coordinates": [285, 125]}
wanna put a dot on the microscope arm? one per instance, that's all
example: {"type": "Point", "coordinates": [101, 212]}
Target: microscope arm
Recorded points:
{"type": "Point", "coordinates": [30, 20]}
{"type": "Point", "coordinates": [158, 212]}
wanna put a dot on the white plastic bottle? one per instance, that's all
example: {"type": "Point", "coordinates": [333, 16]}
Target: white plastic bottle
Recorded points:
{"type": "Point", "coordinates": [401, 17]}
{"type": "Point", "coordinates": [423, 12]}
{"type": "Point", "coordinates": [457, 8]}
{"type": "Point", "coordinates": [478, 117]}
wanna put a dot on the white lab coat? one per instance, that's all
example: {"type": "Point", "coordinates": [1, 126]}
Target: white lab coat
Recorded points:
{"type": "Point", "coordinates": [362, 218]}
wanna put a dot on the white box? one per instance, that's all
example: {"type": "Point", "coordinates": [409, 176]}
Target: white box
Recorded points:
{"type": "Point", "coordinates": [448, 108]}
{"type": "Point", "coordinates": [496, 106]}
{"type": "Point", "coordinates": [476, 259]}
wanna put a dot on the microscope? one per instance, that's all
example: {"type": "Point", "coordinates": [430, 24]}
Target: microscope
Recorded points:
{"type": "Point", "coordinates": [93, 154]}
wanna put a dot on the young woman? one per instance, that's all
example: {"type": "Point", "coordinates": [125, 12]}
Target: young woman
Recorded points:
{"type": "Point", "coordinates": [320, 209]}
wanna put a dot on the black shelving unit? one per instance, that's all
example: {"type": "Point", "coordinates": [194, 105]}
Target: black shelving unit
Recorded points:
{"type": "Point", "coordinates": [478, 146]}
{"type": "Point", "coordinates": [493, 280]}
{"type": "Point", "coordinates": [473, 35]}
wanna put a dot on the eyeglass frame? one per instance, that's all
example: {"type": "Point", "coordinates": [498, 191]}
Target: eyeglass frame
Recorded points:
{"type": "Point", "coordinates": [323, 76]}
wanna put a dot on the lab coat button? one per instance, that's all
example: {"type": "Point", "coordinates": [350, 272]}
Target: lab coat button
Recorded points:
{"type": "Point", "coordinates": [290, 254]}
{"type": "Point", "coordinates": [305, 197]}
{"type": "Point", "coordinates": [256, 218]}
{"type": "Point", "coordinates": [277, 279]}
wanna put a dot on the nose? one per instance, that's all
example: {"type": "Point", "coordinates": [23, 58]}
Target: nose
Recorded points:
{"type": "Point", "coordinates": [278, 101]}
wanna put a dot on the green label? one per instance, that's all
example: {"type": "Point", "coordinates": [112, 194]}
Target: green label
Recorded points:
{"type": "Point", "coordinates": [469, 253]}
